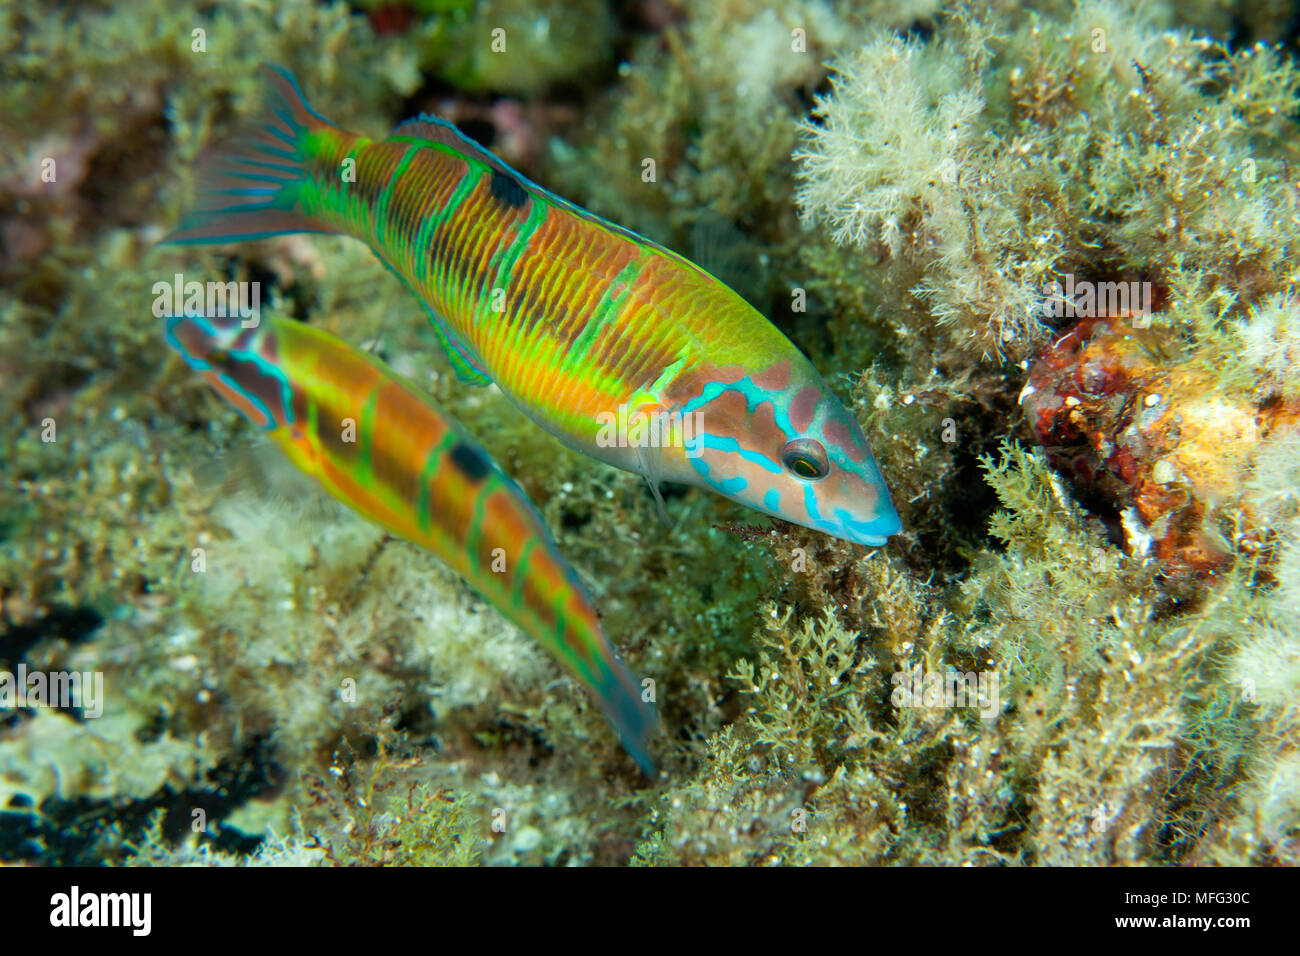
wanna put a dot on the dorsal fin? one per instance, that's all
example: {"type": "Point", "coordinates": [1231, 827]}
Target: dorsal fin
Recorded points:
{"type": "Point", "coordinates": [434, 129]}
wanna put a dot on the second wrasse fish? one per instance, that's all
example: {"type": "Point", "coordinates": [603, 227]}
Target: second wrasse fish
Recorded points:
{"type": "Point", "coordinates": [414, 471]}
{"type": "Point", "coordinates": [621, 348]}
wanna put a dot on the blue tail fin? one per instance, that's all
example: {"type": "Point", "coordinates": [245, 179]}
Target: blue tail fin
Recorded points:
{"type": "Point", "coordinates": [248, 188]}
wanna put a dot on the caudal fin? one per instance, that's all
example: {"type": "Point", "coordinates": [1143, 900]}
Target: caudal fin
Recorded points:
{"type": "Point", "coordinates": [249, 188]}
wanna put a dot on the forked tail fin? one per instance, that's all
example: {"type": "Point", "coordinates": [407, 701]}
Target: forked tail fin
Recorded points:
{"type": "Point", "coordinates": [250, 187]}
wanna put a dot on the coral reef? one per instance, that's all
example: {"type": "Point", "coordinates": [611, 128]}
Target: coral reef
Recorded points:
{"type": "Point", "coordinates": [1083, 649]}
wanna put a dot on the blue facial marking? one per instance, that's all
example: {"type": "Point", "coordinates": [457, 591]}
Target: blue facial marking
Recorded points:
{"type": "Point", "coordinates": [881, 527]}
{"type": "Point", "coordinates": [252, 400]}
{"type": "Point", "coordinates": [730, 486]}
{"type": "Point", "coordinates": [872, 532]}
{"type": "Point", "coordinates": [733, 446]}
{"type": "Point", "coordinates": [754, 396]}
{"type": "Point", "coordinates": [238, 355]}
{"type": "Point", "coordinates": [810, 503]}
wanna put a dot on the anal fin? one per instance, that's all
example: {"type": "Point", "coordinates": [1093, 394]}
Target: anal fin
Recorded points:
{"type": "Point", "coordinates": [464, 363]}
{"type": "Point", "coordinates": [466, 368]}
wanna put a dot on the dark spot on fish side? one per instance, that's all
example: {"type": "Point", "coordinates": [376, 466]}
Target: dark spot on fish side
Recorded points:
{"type": "Point", "coordinates": [506, 189]}
{"type": "Point", "coordinates": [469, 462]}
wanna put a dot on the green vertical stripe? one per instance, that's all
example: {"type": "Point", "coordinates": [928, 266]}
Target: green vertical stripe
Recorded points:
{"type": "Point", "coordinates": [424, 238]}
{"type": "Point", "coordinates": [474, 535]}
{"type": "Point", "coordinates": [365, 441]}
{"type": "Point", "coordinates": [523, 235]}
{"type": "Point", "coordinates": [521, 573]}
{"type": "Point", "coordinates": [313, 417]}
{"type": "Point", "coordinates": [607, 309]}
{"type": "Point", "coordinates": [431, 463]}
{"type": "Point", "coordinates": [385, 195]}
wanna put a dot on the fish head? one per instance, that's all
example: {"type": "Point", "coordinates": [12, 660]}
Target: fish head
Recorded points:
{"type": "Point", "coordinates": [780, 441]}
{"type": "Point", "coordinates": [240, 363]}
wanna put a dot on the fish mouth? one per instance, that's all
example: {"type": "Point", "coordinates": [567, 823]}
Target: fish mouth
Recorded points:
{"type": "Point", "coordinates": [874, 532]}
{"type": "Point", "coordinates": [872, 541]}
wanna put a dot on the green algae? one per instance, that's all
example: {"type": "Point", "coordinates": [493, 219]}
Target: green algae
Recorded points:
{"type": "Point", "coordinates": [917, 171]}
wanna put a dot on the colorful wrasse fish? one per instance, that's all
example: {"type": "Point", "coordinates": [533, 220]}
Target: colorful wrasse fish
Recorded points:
{"type": "Point", "coordinates": [413, 470]}
{"type": "Point", "coordinates": [580, 322]}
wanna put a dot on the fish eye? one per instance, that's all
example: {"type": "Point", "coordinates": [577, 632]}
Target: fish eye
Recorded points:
{"type": "Point", "coordinates": [806, 458]}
